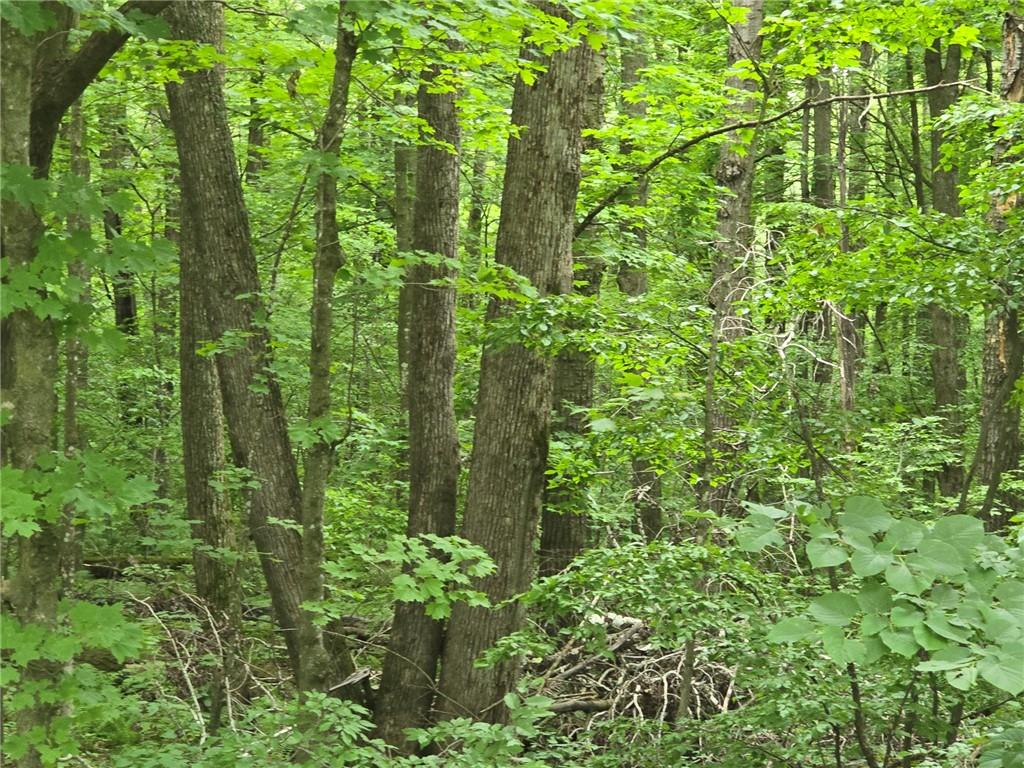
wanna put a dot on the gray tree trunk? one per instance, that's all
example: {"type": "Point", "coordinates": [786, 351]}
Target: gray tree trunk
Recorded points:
{"type": "Point", "coordinates": [514, 404]}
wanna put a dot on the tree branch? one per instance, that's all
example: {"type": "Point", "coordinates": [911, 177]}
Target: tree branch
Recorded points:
{"type": "Point", "coordinates": [679, 149]}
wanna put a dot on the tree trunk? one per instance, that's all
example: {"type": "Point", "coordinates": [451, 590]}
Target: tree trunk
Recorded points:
{"type": "Point", "coordinates": [112, 157]}
{"type": "Point", "coordinates": [405, 190]}
{"type": "Point", "coordinates": [76, 354]}
{"type": "Point", "coordinates": [319, 457]}
{"type": "Point", "coordinates": [563, 524]}
{"type": "Point", "coordinates": [947, 328]}
{"type": "Point", "coordinates": [730, 281]}
{"type": "Point", "coordinates": [407, 685]}
{"type": "Point", "coordinates": [203, 453]}
{"type": "Point", "coordinates": [513, 412]}
{"type": "Point", "coordinates": [257, 427]}
{"type": "Point", "coordinates": [999, 448]}
{"type": "Point", "coordinates": [29, 361]}
{"type": "Point", "coordinates": [632, 280]}
{"type": "Point", "coordinates": [475, 217]}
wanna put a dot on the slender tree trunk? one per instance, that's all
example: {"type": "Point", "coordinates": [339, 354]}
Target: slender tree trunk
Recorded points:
{"type": "Point", "coordinates": [632, 280]}
{"type": "Point", "coordinates": [76, 354]}
{"type": "Point", "coordinates": [947, 328]}
{"type": "Point", "coordinates": [514, 404]}
{"type": "Point", "coordinates": [254, 410]}
{"type": "Point", "coordinates": [112, 158]}
{"type": "Point", "coordinates": [999, 447]}
{"type": "Point", "coordinates": [327, 261]}
{"type": "Point", "coordinates": [405, 192]}
{"type": "Point", "coordinates": [563, 523]}
{"type": "Point", "coordinates": [475, 217]}
{"type": "Point", "coordinates": [730, 280]}
{"type": "Point", "coordinates": [407, 685]}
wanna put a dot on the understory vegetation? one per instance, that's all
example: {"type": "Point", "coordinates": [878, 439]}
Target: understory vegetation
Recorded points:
{"type": "Point", "coordinates": [477, 383]}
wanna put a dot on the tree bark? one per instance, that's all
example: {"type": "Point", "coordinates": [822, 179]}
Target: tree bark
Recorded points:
{"type": "Point", "coordinates": [563, 529]}
{"type": "Point", "coordinates": [729, 280]}
{"type": "Point", "coordinates": [947, 328]}
{"type": "Point", "coordinates": [254, 410]}
{"type": "Point", "coordinates": [407, 685]}
{"type": "Point", "coordinates": [513, 414]}
{"type": "Point", "coordinates": [328, 259]}
{"type": "Point", "coordinates": [999, 444]}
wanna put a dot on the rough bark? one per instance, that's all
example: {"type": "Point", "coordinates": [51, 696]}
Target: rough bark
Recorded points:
{"type": "Point", "coordinates": [208, 507]}
{"type": "Point", "coordinates": [999, 444]}
{"type": "Point", "coordinates": [510, 443]}
{"type": "Point", "coordinates": [251, 397]}
{"type": "Point", "coordinates": [947, 328]}
{"type": "Point", "coordinates": [563, 523]}
{"type": "Point", "coordinates": [407, 685]}
{"type": "Point", "coordinates": [328, 259]}
{"type": "Point", "coordinates": [729, 279]}
{"type": "Point", "coordinates": [29, 374]}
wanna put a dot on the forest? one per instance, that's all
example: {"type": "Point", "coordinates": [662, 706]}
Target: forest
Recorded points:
{"type": "Point", "coordinates": [471, 383]}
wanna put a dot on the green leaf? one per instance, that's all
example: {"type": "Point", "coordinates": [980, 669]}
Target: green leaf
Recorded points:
{"type": "Point", "coordinates": [872, 624]}
{"type": "Point", "coordinates": [900, 642]}
{"type": "Point", "coordinates": [840, 648]}
{"type": "Point", "coordinates": [946, 659]}
{"type": "Point", "coordinates": [836, 609]}
{"type": "Point", "coordinates": [603, 425]}
{"type": "Point", "coordinates": [938, 624]}
{"type": "Point", "coordinates": [905, 615]}
{"type": "Point", "coordinates": [791, 630]}
{"type": "Point", "coordinates": [870, 563]}
{"type": "Point", "coordinates": [899, 577]}
{"type": "Point", "coordinates": [825, 555]}
{"type": "Point", "coordinates": [960, 531]}
{"type": "Point", "coordinates": [866, 513]}
{"type": "Point", "coordinates": [928, 639]}
{"type": "Point", "coordinates": [874, 597]}
{"type": "Point", "coordinates": [1005, 668]}
{"type": "Point", "coordinates": [937, 558]}
{"type": "Point", "coordinates": [964, 678]}
{"type": "Point", "coordinates": [1011, 598]}
{"type": "Point", "coordinates": [905, 535]}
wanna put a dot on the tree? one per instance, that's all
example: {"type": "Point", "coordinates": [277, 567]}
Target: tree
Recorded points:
{"type": "Point", "coordinates": [254, 411]}
{"type": "Point", "coordinates": [407, 684]}
{"type": "Point", "coordinates": [513, 412]}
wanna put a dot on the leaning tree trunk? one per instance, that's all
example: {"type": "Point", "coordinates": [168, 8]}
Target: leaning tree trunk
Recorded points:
{"type": "Point", "coordinates": [407, 684]}
{"type": "Point", "coordinates": [513, 411]}
{"type": "Point", "coordinates": [947, 328]}
{"type": "Point", "coordinates": [999, 444]}
{"type": "Point", "coordinates": [729, 280]}
{"type": "Point", "coordinates": [254, 410]}
{"type": "Point", "coordinates": [563, 528]}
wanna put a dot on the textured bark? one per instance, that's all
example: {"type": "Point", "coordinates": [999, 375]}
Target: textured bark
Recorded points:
{"type": "Point", "coordinates": [208, 509]}
{"type": "Point", "coordinates": [328, 259]}
{"type": "Point", "coordinates": [999, 448]}
{"type": "Point", "coordinates": [40, 82]}
{"type": "Point", "coordinates": [251, 397]}
{"type": "Point", "coordinates": [563, 524]}
{"type": "Point", "coordinates": [510, 443]}
{"type": "Point", "coordinates": [29, 375]}
{"type": "Point", "coordinates": [730, 281]}
{"type": "Point", "coordinates": [407, 685]}
{"type": "Point", "coordinates": [947, 328]}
